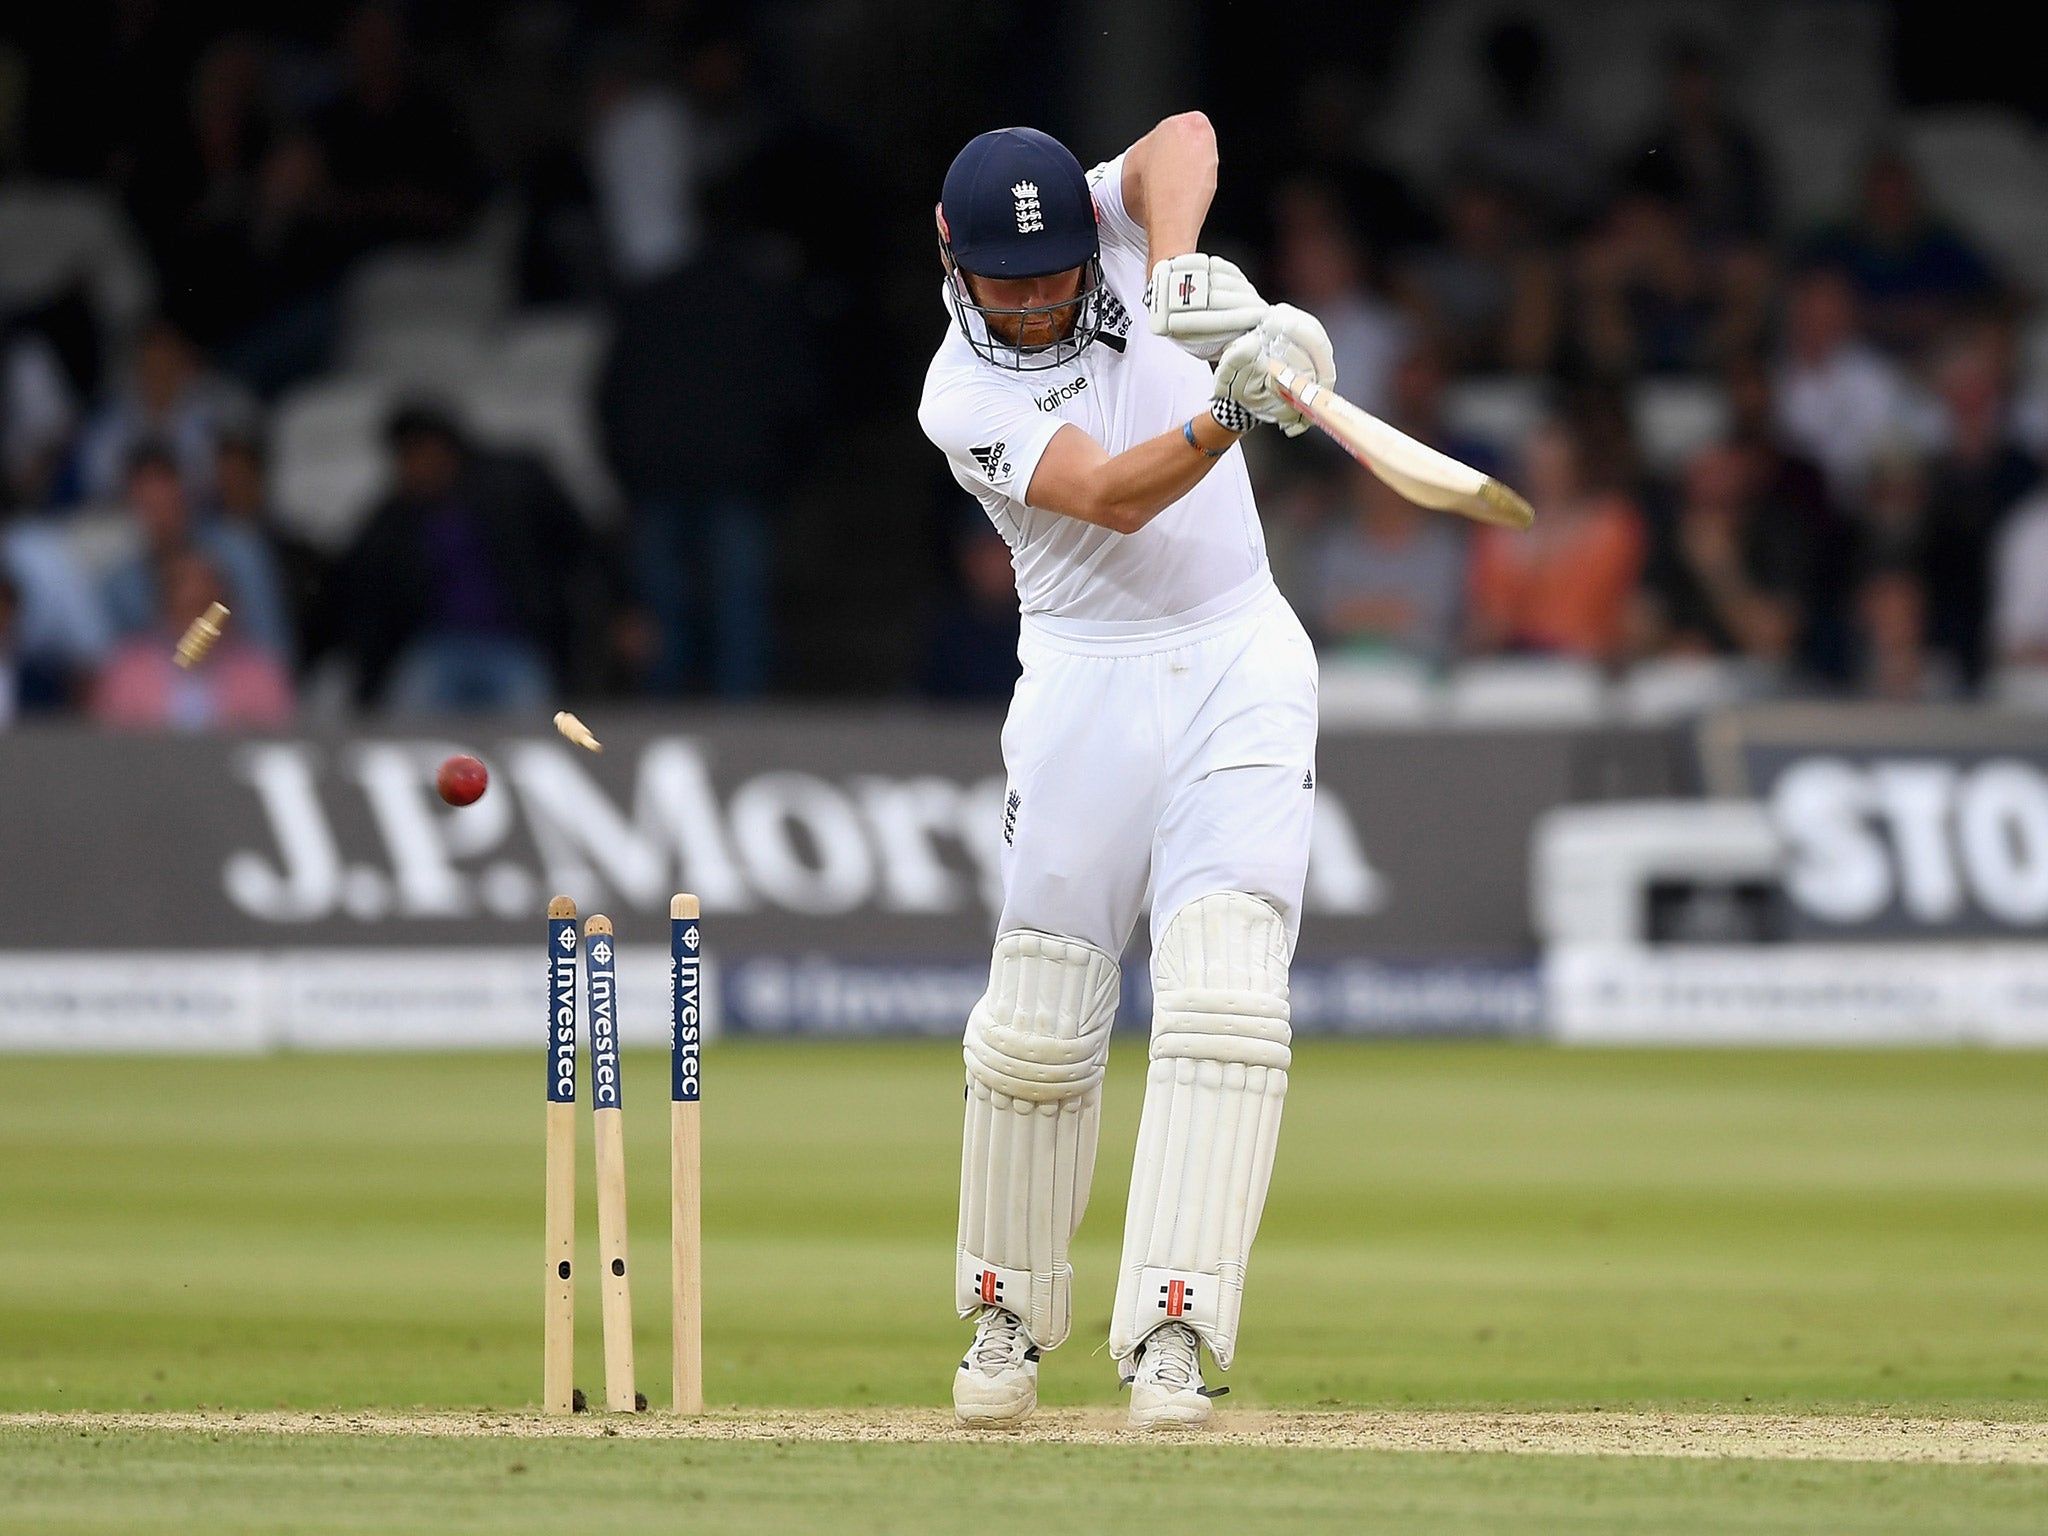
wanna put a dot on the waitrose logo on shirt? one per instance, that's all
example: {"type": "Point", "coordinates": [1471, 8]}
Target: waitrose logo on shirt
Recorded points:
{"type": "Point", "coordinates": [1060, 394]}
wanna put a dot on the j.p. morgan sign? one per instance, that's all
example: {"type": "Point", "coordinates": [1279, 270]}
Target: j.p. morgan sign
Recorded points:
{"type": "Point", "coordinates": [858, 834]}
{"type": "Point", "coordinates": [849, 836]}
{"type": "Point", "coordinates": [785, 840]}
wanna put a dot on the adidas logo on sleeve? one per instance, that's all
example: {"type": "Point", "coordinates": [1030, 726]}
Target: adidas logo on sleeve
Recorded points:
{"type": "Point", "coordinates": [990, 457]}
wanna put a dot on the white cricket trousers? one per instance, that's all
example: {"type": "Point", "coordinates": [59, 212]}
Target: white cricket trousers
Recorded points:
{"type": "Point", "coordinates": [1181, 753]}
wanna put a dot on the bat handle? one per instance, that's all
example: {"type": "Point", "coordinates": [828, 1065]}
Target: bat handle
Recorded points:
{"type": "Point", "coordinates": [1294, 388]}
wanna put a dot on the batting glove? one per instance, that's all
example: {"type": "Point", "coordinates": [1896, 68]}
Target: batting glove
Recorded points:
{"type": "Point", "coordinates": [1290, 336]}
{"type": "Point", "coordinates": [1202, 302]}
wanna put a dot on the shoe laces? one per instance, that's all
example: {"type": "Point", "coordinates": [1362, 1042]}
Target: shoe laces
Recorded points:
{"type": "Point", "coordinates": [1172, 1358]}
{"type": "Point", "coordinates": [999, 1341]}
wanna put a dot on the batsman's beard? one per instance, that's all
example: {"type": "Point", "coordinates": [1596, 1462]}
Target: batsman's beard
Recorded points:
{"type": "Point", "coordinates": [1018, 321]}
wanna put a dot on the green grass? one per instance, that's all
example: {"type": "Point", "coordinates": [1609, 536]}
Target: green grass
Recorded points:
{"type": "Point", "coordinates": [52, 1482]}
{"type": "Point", "coordinates": [1451, 1226]}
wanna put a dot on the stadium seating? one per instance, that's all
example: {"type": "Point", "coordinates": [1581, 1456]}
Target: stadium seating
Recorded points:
{"type": "Point", "coordinates": [1677, 687]}
{"type": "Point", "coordinates": [2019, 688]}
{"type": "Point", "coordinates": [53, 235]}
{"type": "Point", "coordinates": [1988, 170]}
{"type": "Point", "coordinates": [1538, 691]}
{"type": "Point", "coordinates": [1500, 411]}
{"type": "Point", "coordinates": [553, 350]}
{"type": "Point", "coordinates": [459, 286]}
{"type": "Point", "coordinates": [328, 459]}
{"type": "Point", "coordinates": [557, 424]}
{"type": "Point", "coordinates": [1388, 690]}
{"type": "Point", "coordinates": [1674, 418]}
{"type": "Point", "coordinates": [1517, 690]}
{"type": "Point", "coordinates": [437, 357]}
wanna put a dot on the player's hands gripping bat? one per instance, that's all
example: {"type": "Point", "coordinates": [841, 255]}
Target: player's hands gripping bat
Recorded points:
{"type": "Point", "coordinates": [1202, 302]}
{"type": "Point", "coordinates": [1288, 335]}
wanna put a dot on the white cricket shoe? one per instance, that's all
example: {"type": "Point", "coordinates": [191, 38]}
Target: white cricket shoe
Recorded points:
{"type": "Point", "coordinates": [1166, 1381]}
{"type": "Point", "coordinates": [996, 1386]}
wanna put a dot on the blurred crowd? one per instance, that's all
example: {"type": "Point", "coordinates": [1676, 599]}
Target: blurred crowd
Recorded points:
{"type": "Point", "coordinates": [259, 163]}
{"type": "Point", "coordinates": [1851, 504]}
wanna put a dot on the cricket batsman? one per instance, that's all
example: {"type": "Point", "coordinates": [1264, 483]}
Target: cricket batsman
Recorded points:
{"type": "Point", "coordinates": [1161, 741]}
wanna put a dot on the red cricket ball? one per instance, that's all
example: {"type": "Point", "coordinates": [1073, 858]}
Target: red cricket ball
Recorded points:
{"type": "Point", "coordinates": [462, 779]}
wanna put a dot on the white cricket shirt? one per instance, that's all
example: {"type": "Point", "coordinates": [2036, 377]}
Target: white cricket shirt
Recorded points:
{"type": "Point", "coordinates": [993, 425]}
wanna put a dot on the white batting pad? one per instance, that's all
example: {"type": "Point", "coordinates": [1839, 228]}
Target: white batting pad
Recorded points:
{"type": "Point", "coordinates": [1036, 1045]}
{"type": "Point", "coordinates": [1211, 1122]}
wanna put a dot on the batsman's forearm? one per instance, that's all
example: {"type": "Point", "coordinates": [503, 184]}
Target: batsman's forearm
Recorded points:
{"type": "Point", "coordinates": [1134, 487]}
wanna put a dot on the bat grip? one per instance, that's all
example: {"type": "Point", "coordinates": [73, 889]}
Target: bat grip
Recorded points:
{"type": "Point", "coordinates": [1297, 391]}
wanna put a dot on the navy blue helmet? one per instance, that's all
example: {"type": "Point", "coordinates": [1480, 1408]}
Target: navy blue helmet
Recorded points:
{"type": "Point", "coordinates": [1016, 204]}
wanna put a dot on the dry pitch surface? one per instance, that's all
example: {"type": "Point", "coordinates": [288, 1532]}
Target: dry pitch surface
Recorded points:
{"type": "Point", "coordinates": [1713, 1436]}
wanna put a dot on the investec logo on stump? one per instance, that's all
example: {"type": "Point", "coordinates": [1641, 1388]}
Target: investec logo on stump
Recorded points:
{"type": "Point", "coordinates": [562, 1009]}
{"type": "Point", "coordinates": [604, 1032]}
{"type": "Point", "coordinates": [685, 976]}
{"type": "Point", "coordinates": [359, 834]}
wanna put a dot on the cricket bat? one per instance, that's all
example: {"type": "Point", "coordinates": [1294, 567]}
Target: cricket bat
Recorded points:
{"type": "Point", "coordinates": [1416, 470]}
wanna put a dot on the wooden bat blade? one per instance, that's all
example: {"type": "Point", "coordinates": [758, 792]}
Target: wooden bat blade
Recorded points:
{"type": "Point", "coordinates": [1426, 477]}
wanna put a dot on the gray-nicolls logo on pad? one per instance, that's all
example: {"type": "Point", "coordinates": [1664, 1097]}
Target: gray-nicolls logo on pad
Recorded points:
{"type": "Point", "coordinates": [1029, 219]}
